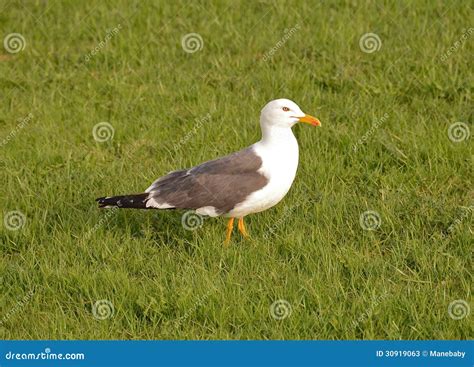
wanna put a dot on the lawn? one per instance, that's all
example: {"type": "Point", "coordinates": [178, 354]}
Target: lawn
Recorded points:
{"type": "Point", "coordinates": [373, 241]}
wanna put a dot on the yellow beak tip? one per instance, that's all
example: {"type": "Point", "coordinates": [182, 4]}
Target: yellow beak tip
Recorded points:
{"type": "Point", "coordinates": [310, 120]}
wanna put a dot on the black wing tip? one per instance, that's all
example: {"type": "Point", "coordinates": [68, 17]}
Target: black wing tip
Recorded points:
{"type": "Point", "coordinates": [101, 201]}
{"type": "Point", "coordinates": [136, 201]}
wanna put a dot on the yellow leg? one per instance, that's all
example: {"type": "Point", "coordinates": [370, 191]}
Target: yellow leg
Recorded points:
{"type": "Point", "coordinates": [241, 227]}
{"type": "Point", "coordinates": [230, 227]}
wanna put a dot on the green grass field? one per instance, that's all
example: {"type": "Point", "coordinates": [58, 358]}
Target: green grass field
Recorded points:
{"type": "Point", "coordinates": [385, 107]}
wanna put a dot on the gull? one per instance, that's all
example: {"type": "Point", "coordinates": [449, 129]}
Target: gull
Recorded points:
{"type": "Point", "coordinates": [242, 183]}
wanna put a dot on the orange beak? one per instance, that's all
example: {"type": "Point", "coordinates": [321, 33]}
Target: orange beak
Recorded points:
{"type": "Point", "coordinates": [310, 120]}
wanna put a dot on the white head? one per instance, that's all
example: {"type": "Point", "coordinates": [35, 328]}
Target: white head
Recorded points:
{"type": "Point", "coordinates": [284, 113]}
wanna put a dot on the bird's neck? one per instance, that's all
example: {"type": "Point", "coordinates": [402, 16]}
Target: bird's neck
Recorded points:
{"type": "Point", "coordinates": [275, 135]}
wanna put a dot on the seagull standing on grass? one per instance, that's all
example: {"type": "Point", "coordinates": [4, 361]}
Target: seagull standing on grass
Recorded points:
{"type": "Point", "coordinates": [248, 181]}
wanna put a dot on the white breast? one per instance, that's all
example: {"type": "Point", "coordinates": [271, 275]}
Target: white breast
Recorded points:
{"type": "Point", "coordinates": [279, 164]}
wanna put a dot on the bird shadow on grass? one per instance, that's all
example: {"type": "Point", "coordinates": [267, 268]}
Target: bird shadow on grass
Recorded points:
{"type": "Point", "coordinates": [163, 228]}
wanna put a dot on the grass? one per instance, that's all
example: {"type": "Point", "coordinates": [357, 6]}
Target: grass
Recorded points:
{"type": "Point", "coordinates": [164, 282]}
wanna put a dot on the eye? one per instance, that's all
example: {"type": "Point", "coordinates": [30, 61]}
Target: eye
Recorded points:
{"type": "Point", "coordinates": [286, 109]}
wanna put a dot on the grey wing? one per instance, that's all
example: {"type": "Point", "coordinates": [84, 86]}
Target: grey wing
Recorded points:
{"type": "Point", "coordinates": [221, 183]}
